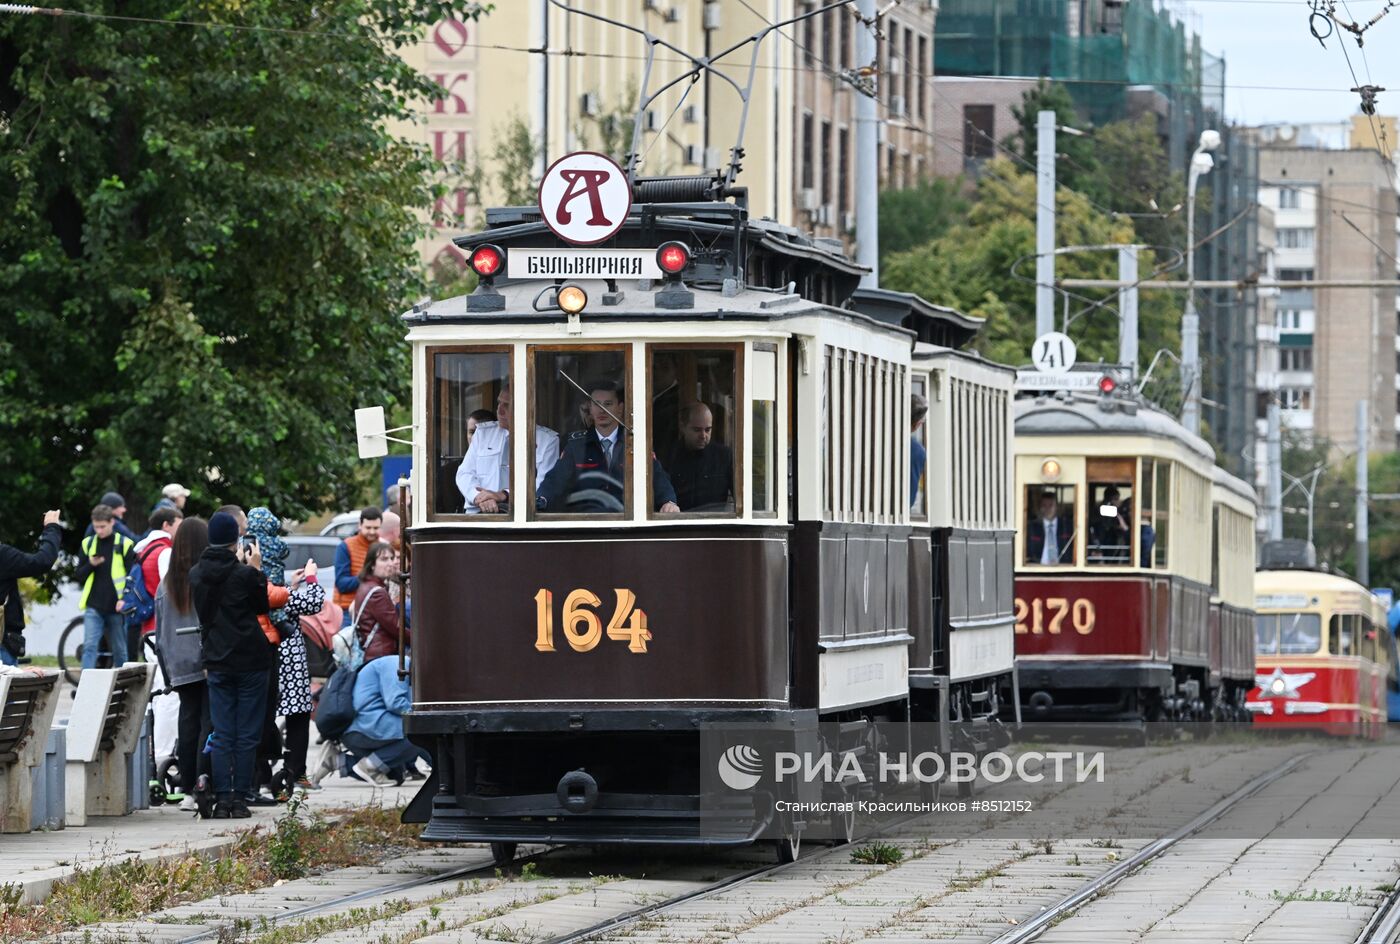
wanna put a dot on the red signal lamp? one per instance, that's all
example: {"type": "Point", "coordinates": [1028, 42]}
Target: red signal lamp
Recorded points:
{"type": "Point", "coordinates": [672, 258]}
{"type": "Point", "coordinates": [487, 262]}
{"type": "Point", "coordinates": [1107, 385]}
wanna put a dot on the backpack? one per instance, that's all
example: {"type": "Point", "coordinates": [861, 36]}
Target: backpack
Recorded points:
{"type": "Point", "coordinates": [138, 605]}
{"type": "Point", "coordinates": [320, 658]}
{"type": "Point", "coordinates": [335, 711]}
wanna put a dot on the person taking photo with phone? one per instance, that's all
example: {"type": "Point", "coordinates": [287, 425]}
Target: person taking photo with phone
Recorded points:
{"type": "Point", "coordinates": [230, 593]}
{"type": "Point", "coordinates": [15, 564]}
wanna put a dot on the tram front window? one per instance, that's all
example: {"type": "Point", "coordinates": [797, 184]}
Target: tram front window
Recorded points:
{"type": "Point", "coordinates": [582, 394]}
{"type": "Point", "coordinates": [1049, 526]}
{"type": "Point", "coordinates": [694, 408]}
{"type": "Point", "coordinates": [469, 436]}
{"type": "Point", "coordinates": [1110, 534]}
{"type": "Point", "coordinates": [1287, 633]}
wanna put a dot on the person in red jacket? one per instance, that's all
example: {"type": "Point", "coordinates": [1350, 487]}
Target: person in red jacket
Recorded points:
{"type": "Point", "coordinates": [374, 607]}
{"type": "Point", "coordinates": [153, 554]}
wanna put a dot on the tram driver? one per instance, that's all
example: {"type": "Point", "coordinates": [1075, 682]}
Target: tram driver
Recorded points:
{"type": "Point", "coordinates": [484, 475]}
{"type": "Point", "coordinates": [1050, 535]}
{"type": "Point", "coordinates": [591, 471]}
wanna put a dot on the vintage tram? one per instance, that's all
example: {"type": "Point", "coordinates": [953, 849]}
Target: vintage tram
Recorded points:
{"type": "Point", "coordinates": [1325, 657]}
{"type": "Point", "coordinates": [751, 547]}
{"type": "Point", "coordinates": [1134, 565]}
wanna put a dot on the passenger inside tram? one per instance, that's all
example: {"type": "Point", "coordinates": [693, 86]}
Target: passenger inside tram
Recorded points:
{"type": "Point", "coordinates": [484, 475]}
{"type": "Point", "coordinates": [1050, 531]}
{"type": "Point", "coordinates": [701, 469]}
{"type": "Point", "coordinates": [1110, 536]}
{"type": "Point", "coordinates": [693, 410]}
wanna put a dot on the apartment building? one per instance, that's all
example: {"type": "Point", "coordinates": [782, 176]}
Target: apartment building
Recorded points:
{"type": "Point", "coordinates": [1334, 213]}
{"type": "Point", "coordinates": [799, 144]}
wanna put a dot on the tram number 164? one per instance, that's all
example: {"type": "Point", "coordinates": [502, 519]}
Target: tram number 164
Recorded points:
{"type": "Point", "coordinates": [583, 628]}
{"type": "Point", "coordinates": [1049, 615]}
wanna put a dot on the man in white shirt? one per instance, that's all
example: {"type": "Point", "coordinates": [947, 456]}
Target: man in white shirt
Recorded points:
{"type": "Point", "coordinates": [483, 478]}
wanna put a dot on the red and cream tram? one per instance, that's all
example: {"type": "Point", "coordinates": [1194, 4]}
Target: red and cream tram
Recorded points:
{"type": "Point", "coordinates": [1322, 653]}
{"type": "Point", "coordinates": [1134, 564]}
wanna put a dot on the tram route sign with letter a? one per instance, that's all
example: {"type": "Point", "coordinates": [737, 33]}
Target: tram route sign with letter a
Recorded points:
{"type": "Point", "coordinates": [585, 197]}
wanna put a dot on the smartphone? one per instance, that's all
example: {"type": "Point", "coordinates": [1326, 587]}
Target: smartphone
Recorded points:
{"type": "Point", "coordinates": [309, 572]}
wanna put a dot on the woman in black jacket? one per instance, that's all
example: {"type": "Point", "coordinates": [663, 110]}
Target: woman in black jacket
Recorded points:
{"type": "Point", "coordinates": [15, 564]}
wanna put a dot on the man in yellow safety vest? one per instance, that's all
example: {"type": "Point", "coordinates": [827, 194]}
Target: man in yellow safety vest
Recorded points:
{"type": "Point", "coordinates": [107, 556]}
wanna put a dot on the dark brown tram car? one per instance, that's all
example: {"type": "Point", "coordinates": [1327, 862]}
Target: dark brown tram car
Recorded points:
{"type": "Point", "coordinates": [743, 552]}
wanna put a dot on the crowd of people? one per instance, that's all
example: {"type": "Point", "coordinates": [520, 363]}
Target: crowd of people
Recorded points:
{"type": "Point", "coordinates": [236, 636]}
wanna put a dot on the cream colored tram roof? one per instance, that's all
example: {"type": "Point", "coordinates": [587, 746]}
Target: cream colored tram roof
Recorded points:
{"type": "Point", "coordinates": [1076, 415]}
{"type": "Point", "coordinates": [1235, 486]}
{"type": "Point", "coordinates": [1304, 581]}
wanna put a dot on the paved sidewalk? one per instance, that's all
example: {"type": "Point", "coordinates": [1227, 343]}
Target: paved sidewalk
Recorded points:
{"type": "Point", "coordinates": [37, 860]}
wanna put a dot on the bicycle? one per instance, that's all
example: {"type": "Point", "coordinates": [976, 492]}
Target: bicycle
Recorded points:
{"type": "Point", "coordinates": [70, 649]}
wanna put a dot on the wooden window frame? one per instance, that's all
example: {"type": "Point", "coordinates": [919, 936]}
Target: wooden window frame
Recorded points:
{"type": "Point", "coordinates": [628, 499]}
{"type": "Point", "coordinates": [430, 353]}
{"type": "Point", "coordinates": [740, 426]}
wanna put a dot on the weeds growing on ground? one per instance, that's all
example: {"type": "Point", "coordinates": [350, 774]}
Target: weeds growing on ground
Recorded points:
{"type": "Point", "coordinates": [119, 890]}
{"type": "Point", "coordinates": [878, 853]}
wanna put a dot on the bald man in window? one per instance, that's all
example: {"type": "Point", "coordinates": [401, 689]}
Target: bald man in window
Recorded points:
{"type": "Point", "coordinates": [701, 469]}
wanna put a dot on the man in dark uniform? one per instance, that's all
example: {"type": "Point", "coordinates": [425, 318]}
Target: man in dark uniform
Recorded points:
{"type": "Point", "coordinates": [591, 470]}
{"type": "Point", "coordinates": [701, 469]}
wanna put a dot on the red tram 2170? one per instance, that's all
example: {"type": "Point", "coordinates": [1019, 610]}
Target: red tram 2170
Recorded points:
{"type": "Point", "coordinates": [750, 545]}
{"type": "Point", "coordinates": [1135, 562]}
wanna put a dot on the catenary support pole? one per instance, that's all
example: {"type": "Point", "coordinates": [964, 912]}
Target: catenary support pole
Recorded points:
{"type": "Point", "coordinates": [1128, 305]}
{"type": "Point", "coordinates": [1363, 476]}
{"type": "Point", "coordinates": [867, 155]}
{"type": "Point", "coordinates": [1044, 222]}
{"type": "Point", "coordinates": [1273, 489]}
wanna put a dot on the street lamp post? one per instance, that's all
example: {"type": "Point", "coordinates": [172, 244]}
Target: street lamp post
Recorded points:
{"type": "Point", "coordinates": [1201, 163]}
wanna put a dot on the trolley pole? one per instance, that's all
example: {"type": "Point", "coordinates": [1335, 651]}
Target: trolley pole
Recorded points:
{"type": "Point", "coordinates": [1363, 537]}
{"type": "Point", "coordinates": [1044, 222]}
{"type": "Point", "coordinates": [867, 153]}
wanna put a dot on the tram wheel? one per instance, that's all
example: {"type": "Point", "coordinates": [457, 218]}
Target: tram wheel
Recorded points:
{"type": "Point", "coordinates": [502, 853]}
{"type": "Point", "coordinates": [789, 847]}
{"type": "Point", "coordinates": [843, 826]}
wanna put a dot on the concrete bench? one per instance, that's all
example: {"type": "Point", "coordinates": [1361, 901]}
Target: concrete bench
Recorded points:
{"type": "Point", "coordinates": [28, 701]}
{"type": "Point", "coordinates": [103, 731]}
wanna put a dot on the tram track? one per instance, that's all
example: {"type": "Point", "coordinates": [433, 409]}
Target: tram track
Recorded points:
{"type": "Point", "coordinates": [1052, 915]}
{"type": "Point", "coordinates": [1384, 926]}
{"type": "Point", "coordinates": [387, 892]}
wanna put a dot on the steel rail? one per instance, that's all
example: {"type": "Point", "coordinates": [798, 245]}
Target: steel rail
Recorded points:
{"type": "Point", "coordinates": [1384, 926]}
{"type": "Point", "coordinates": [1031, 928]}
{"type": "Point", "coordinates": [460, 872]}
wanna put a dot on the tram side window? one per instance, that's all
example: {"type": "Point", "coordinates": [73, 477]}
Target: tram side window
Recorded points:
{"type": "Point", "coordinates": [764, 384]}
{"type": "Point", "coordinates": [470, 404]}
{"type": "Point", "coordinates": [1049, 524]}
{"type": "Point", "coordinates": [694, 408]}
{"type": "Point", "coordinates": [581, 396]}
{"type": "Point", "coordinates": [918, 449]}
{"type": "Point", "coordinates": [1341, 634]}
{"type": "Point", "coordinates": [1155, 494]}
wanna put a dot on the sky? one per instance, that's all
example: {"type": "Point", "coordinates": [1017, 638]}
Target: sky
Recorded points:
{"type": "Point", "coordinates": [1267, 43]}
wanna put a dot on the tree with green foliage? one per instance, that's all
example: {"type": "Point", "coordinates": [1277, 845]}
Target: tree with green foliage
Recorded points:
{"type": "Point", "coordinates": [970, 268]}
{"type": "Point", "coordinates": [917, 215]}
{"type": "Point", "coordinates": [1077, 167]}
{"type": "Point", "coordinates": [209, 231]}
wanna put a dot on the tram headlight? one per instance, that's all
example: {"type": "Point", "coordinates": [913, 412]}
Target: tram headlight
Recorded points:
{"type": "Point", "coordinates": [1051, 470]}
{"type": "Point", "coordinates": [571, 299]}
{"type": "Point", "coordinates": [1107, 384]}
{"type": "Point", "coordinates": [1277, 687]}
